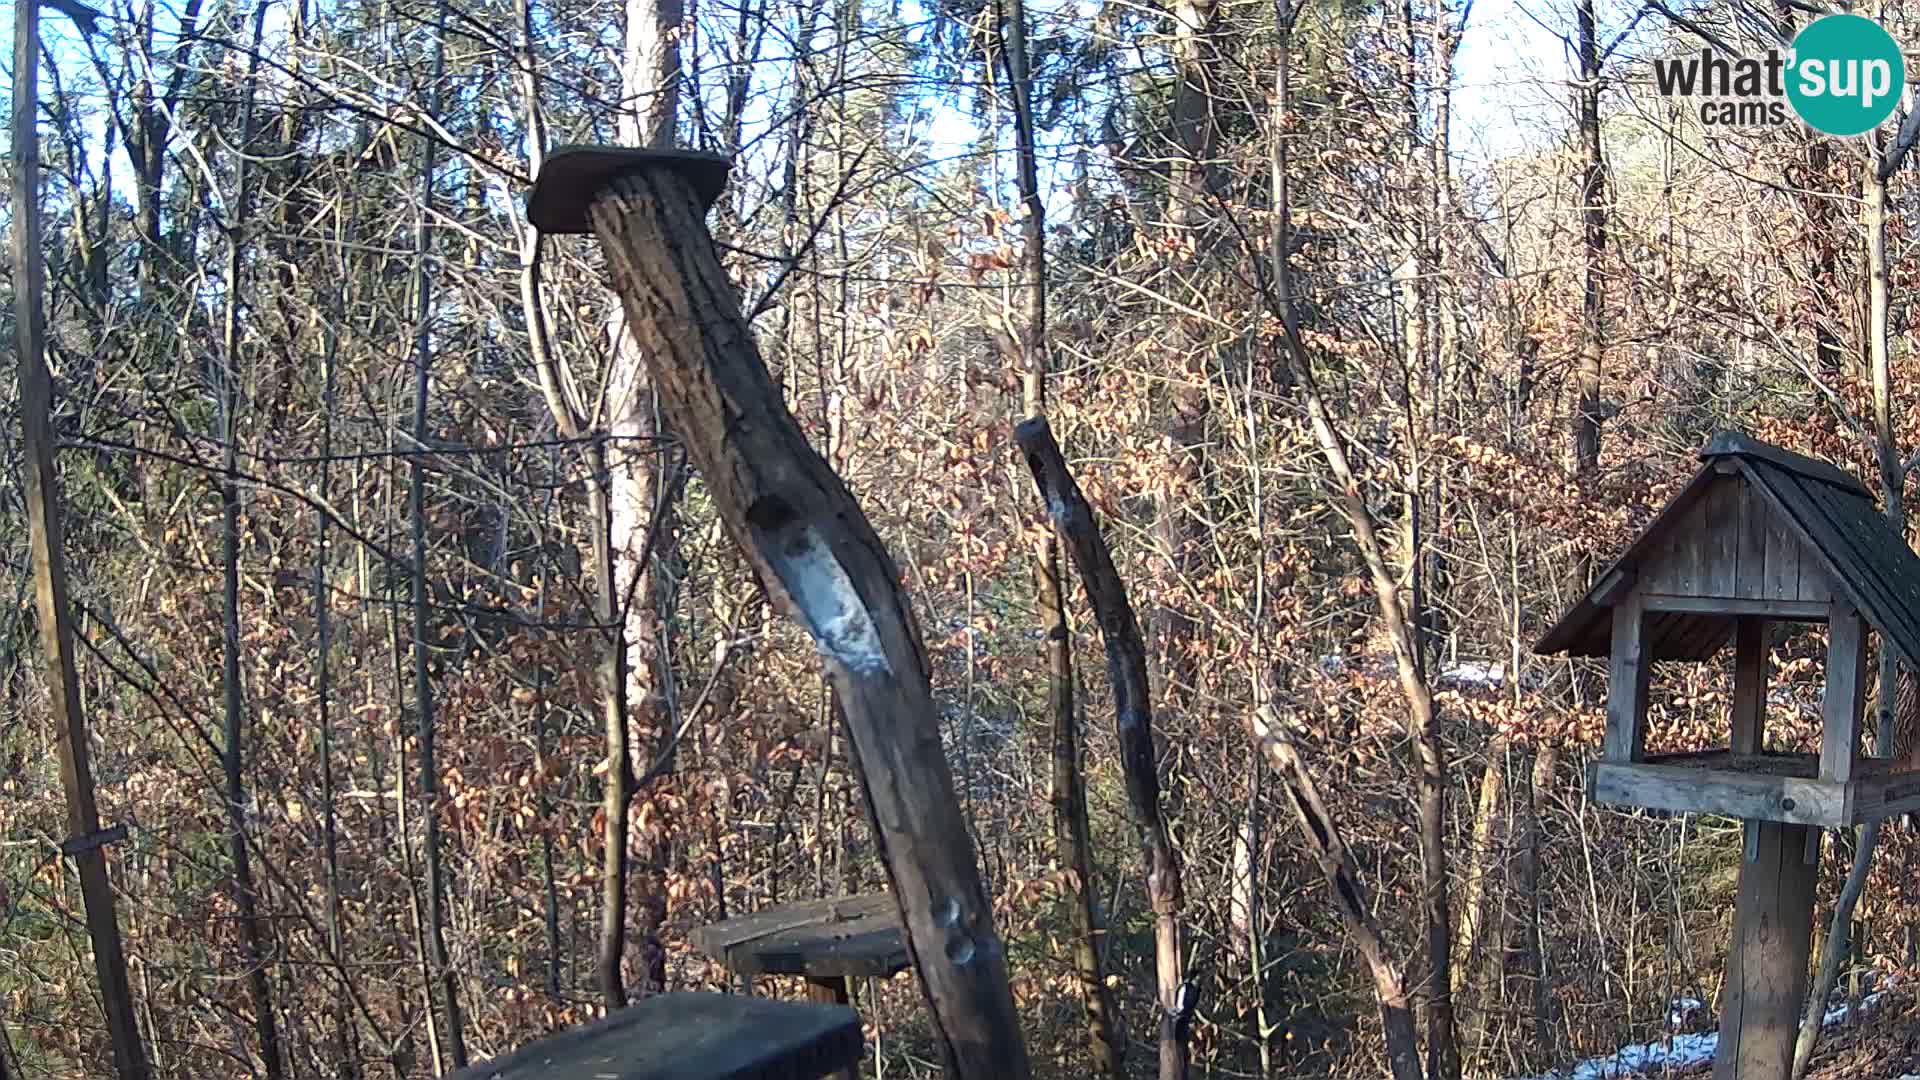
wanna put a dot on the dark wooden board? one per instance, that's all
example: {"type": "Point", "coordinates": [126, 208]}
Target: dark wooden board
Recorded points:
{"type": "Point", "coordinates": [1801, 766]}
{"type": "Point", "coordinates": [691, 1037]}
{"type": "Point", "coordinates": [573, 177]}
{"type": "Point", "coordinates": [843, 937]}
{"type": "Point", "coordinates": [1735, 444]}
{"type": "Point", "coordinates": [1867, 560]}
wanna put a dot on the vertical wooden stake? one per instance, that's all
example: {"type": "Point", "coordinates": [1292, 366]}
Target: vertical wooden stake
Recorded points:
{"type": "Point", "coordinates": [44, 542]}
{"type": "Point", "coordinates": [832, 990]}
{"type": "Point", "coordinates": [1767, 965]}
{"type": "Point", "coordinates": [1750, 685]}
{"type": "Point", "coordinates": [1845, 697]}
{"type": "Point", "coordinates": [1628, 668]}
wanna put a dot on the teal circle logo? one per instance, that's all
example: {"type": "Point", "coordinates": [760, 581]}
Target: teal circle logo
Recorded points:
{"type": "Point", "coordinates": [1847, 74]}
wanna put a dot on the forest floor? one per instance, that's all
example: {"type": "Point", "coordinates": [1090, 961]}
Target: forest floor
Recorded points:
{"type": "Point", "coordinates": [1884, 1045]}
{"type": "Point", "coordinates": [1881, 1047]}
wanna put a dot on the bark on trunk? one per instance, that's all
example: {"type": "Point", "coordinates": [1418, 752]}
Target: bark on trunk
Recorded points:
{"type": "Point", "coordinates": [1178, 531]}
{"type": "Point", "coordinates": [820, 560]}
{"type": "Point", "coordinates": [630, 604]}
{"type": "Point", "coordinates": [50, 595]}
{"type": "Point", "coordinates": [1593, 218]}
{"type": "Point", "coordinates": [1892, 488]}
{"type": "Point", "coordinates": [233, 759]}
{"type": "Point", "coordinates": [1539, 781]}
{"type": "Point", "coordinates": [1349, 899]}
{"type": "Point", "coordinates": [1473, 899]}
{"type": "Point", "coordinates": [1068, 796]}
{"type": "Point", "coordinates": [436, 887]}
{"type": "Point", "coordinates": [1133, 709]}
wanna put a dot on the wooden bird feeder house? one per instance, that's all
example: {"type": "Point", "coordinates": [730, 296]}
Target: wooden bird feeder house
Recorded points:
{"type": "Point", "coordinates": [1761, 535]}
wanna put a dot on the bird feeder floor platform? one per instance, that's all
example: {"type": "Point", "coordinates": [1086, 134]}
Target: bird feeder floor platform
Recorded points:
{"type": "Point", "coordinates": [846, 937]}
{"type": "Point", "coordinates": [1783, 787]}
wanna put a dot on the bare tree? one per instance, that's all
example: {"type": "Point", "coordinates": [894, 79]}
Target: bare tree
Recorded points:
{"type": "Point", "coordinates": [51, 599]}
{"type": "Point", "coordinates": [245, 898]}
{"type": "Point", "coordinates": [439, 961]}
{"type": "Point", "coordinates": [1029, 356]}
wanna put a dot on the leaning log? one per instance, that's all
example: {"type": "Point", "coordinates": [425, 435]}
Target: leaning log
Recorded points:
{"type": "Point", "coordinates": [1343, 884]}
{"type": "Point", "coordinates": [815, 552]}
{"type": "Point", "coordinates": [1133, 714]}
{"type": "Point", "coordinates": [86, 841]}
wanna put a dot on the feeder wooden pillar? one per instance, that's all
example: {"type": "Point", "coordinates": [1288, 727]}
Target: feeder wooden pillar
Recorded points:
{"type": "Point", "coordinates": [1767, 964]}
{"type": "Point", "coordinates": [815, 552]}
{"type": "Point", "coordinates": [1761, 535]}
{"type": "Point", "coordinates": [1766, 978]}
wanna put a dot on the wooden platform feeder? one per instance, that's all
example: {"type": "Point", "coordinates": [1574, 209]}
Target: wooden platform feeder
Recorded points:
{"type": "Point", "coordinates": [691, 1037]}
{"type": "Point", "coordinates": [814, 551]}
{"type": "Point", "coordinates": [1761, 535]}
{"type": "Point", "coordinates": [825, 942]}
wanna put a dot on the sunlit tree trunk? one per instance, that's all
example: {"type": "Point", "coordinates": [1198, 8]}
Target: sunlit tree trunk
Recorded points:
{"type": "Point", "coordinates": [650, 91]}
{"type": "Point", "coordinates": [1072, 835]}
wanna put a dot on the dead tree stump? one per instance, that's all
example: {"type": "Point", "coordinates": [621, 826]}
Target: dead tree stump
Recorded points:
{"type": "Point", "coordinates": [815, 552]}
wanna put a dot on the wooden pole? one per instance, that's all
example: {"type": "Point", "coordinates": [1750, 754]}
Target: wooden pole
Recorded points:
{"type": "Point", "coordinates": [818, 557]}
{"type": "Point", "coordinates": [1133, 708]}
{"type": "Point", "coordinates": [828, 990]}
{"type": "Point", "coordinates": [1773, 913]}
{"type": "Point", "coordinates": [49, 567]}
{"type": "Point", "coordinates": [1767, 965]}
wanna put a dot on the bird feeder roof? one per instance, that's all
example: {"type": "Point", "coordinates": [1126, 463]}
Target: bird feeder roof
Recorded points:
{"type": "Point", "coordinates": [1752, 502]}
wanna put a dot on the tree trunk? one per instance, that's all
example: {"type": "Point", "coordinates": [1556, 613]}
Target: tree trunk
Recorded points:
{"type": "Point", "coordinates": [344, 1047]}
{"type": "Point", "coordinates": [1349, 899]}
{"type": "Point", "coordinates": [820, 560]}
{"type": "Point", "coordinates": [233, 760]}
{"type": "Point", "coordinates": [650, 92]}
{"type": "Point", "coordinates": [1133, 715]}
{"type": "Point", "coordinates": [1068, 795]}
{"type": "Point", "coordinates": [1593, 217]}
{"type": "Point", "coordinates": [436, 916]}
{"type": "Point", "coordinates": [1473, 901]}
{"type": "Point", "coordinates": [1892, 490]}
{"type": "Point", "coordinates": [44, 539]}
{"type": "Point", "coordinates": [1539, 780]}
{"type": "Point", "coordinates": [1422, 720]}
{"type": "Point", "coordinates": [1191, 404]}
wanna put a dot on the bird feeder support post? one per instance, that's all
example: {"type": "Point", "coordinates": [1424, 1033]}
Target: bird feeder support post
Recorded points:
{"type": "Point", "coordinates": [1845, 697]}
{"type": "Point", "coordinates": [817, 555]}
{"type": "Point", "coordinates": [1628, 668]}
{"type": "Point", "coordinates": [1766, 980]}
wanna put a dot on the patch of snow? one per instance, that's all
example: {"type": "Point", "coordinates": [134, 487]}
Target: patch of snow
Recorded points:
{"type": "Point", "coordinates": [1686, 1052]}
{"type": "Point", "coordinates": [1683, 1012]}
{"type": "Point", "coordinates": [1474, 673]}
{"type": "Point", "coordinates": [1838, 1013]}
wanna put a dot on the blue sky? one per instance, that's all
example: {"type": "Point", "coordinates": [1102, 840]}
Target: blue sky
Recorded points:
{"type": "Point", "coordinates": [1510, 92]}
{"type": "Point", "coordinates": [1511, 79]}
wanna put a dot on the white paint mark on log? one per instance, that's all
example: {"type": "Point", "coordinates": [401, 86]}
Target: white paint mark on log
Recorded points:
{"type": "Point", "coordinates": [947, 915]}
{"type": "Point", "coordinates": [821, 589]}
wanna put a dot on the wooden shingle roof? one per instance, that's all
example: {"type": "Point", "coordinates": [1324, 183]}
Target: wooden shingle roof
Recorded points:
{"type": "Point", "coordinates": [1829, 512]}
